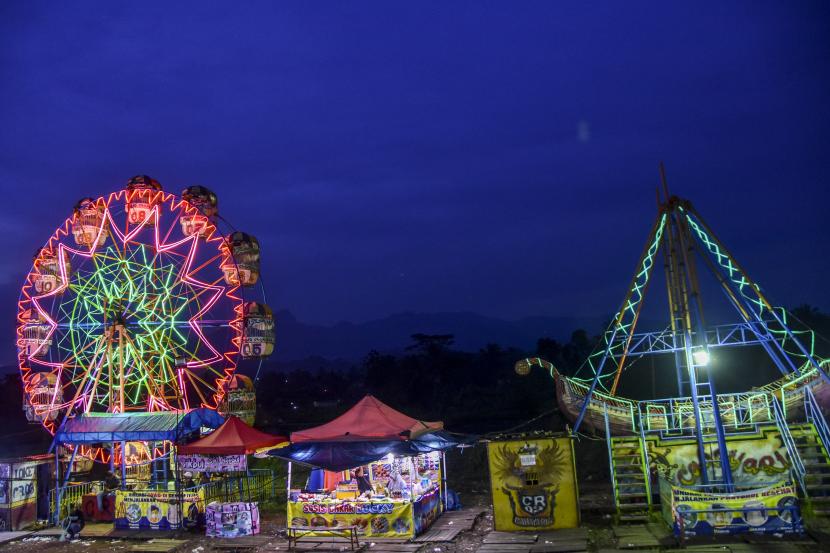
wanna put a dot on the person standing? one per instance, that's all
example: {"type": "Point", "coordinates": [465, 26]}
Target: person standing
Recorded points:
{"type": "Point", "coordinates": [363, 484]}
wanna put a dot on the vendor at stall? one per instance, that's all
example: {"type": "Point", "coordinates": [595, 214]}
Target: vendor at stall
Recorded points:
{"type": "Point", "coordinates": [396, 483]}
{"type": "Point", "coordinates": [362, 480]}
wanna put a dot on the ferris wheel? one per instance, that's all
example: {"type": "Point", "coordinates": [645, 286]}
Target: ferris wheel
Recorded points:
{"type": "Point", "coordinates": [140, 301]}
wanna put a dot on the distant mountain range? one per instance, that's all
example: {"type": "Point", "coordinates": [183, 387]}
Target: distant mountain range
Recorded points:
{"type": "Point", "coordinates": [352, 341]}
{"type": "Point", "coordinates": [310, 346]}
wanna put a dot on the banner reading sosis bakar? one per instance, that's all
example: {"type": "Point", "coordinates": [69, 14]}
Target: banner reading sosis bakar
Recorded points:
{"type": "Point", "coordinates": [391, 520]}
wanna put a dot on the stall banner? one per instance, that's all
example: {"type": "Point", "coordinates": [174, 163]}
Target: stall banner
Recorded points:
{"type": "Point", "coordinates": [157, 510]}
{"type": "Point", "coordinates": [213, 463]}
{"type": "Point", "coordinates": [533, 484]}
{"type": "Point", "coordinates": [18, 495]}
{"type": "Point", "coordinates": [761, 459]}
{"type": "Point", "coordinates": [382, 519]}
{"type": "Point", "coordinates": [229, 520]}
{"type": "Point", "coordinates": [18, 484]}
{"type": "Point", "coordinates": [426, 510]}
{"type": "Point", "coordinates": [756, 511]}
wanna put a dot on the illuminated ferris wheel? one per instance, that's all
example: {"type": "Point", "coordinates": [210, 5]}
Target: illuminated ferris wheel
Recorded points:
{"type": "Point", "coordinates": [140, 301]}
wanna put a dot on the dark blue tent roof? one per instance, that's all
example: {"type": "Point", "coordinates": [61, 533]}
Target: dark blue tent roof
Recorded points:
{"type": "Point", "coordinates": [135, 427]}
{"type": "Point", "coordinates": [338, 455]}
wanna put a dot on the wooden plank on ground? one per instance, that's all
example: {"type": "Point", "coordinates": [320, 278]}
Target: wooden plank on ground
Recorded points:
{"type": "Point", "coordinates": [633, 542]}
{"type": "Point", "coordinates": [545, 545]}
{"type": "Point", "coordinates": [139, 534]}
{"type": "Point", "coordinates": [438, 535]}
{"type": "Point", "coordinates": [606, 550]}
{"type": "Point", "coordinates": [510, 537]}
{"type": "Point", "coordinates": [503, 548]}
{"type": "Point", "coordinates": [394, 547]}
{"type": "Point", "coordinates": [159, 545]}
{"type": "Point", "coordinates": [234, 547]}
{"type": "Point", "coordinates": [51, 531]}
{"type": "Point", "coordinates": [565, 533]}
{"type": "Point", "coordinates": [6, 537]}
{"type": "Point", "coordinates": [561, 541]}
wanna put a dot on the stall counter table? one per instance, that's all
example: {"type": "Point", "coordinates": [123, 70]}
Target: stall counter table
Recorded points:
{"type": "Point", "coordinates": [372, 518]}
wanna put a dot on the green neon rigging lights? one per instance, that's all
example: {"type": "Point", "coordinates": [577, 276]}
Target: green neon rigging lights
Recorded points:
{"type": "Point", "coordinates": [615, 336]}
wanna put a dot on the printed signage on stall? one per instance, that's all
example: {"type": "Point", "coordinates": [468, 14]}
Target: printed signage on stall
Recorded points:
{"type": "Point", "coordinates": [390, 520]}
{"type": "Point", "coordinates": [768, 510]}
{"type": "Point", "coordinates": [230, 520]}
{"type": "Point", "coordinates": [157, 510]}
{"type": "Point", "coordinates": [18, 484]}
{"type": "Point", "coordinates": [758, 460]}
{"type": "Point", "coordinates": [213, 463]}
{"type": "Point", "coordinates": [533, 483]}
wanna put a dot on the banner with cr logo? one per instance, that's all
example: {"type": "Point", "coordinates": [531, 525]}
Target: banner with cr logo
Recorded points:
{"type": "Point", "coordinates": [533, 483]}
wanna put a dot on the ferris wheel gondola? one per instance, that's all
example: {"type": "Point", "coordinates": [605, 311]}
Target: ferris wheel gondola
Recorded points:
{"type": "Point", "coordinates": [142, 198]}
{"type": "Point", "coordinates": [50, 275]}
{"type": "Point", "coordinates": [89, 226]}
{"type": "Point", "coordinates": [207, 207]}
{"type": "Point", "coordinates": [244, 266]}
{"type": "Point", "coordinates": [258, 333]}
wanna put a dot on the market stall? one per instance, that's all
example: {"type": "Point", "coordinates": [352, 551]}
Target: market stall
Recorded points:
{"type": "Point", "coordinates": [223, 451]}
{"type": "Point", "coordinates": [24, 484]}
{"type": "Point", "coordinates": [386, 472]}
{"type": "Point", "coordinates": [155, 503]}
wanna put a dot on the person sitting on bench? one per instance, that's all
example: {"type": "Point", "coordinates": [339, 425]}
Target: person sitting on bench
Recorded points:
{"type": "Point", "coordinates": [111, 483]}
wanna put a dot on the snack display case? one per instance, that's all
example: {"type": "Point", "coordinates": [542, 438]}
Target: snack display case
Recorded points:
{"type": "Point", "coordinates": [393, 497]}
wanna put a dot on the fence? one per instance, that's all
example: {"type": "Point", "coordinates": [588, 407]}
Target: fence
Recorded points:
{"type": "Point", "coordinates": [70, 496]}
{"type": "Point", "coordinates": [257, 485]}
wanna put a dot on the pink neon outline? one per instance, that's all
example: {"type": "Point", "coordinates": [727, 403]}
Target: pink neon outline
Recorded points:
{"type": "Point", "coordinates": [208, 234]}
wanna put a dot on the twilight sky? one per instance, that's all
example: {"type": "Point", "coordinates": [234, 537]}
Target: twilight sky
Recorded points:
{"type": "Point", "coordinates": [497, 157]}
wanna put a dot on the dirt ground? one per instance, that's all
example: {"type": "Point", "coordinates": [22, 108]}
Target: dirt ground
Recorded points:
{"type": "Point", "coordinates": [595, 502]}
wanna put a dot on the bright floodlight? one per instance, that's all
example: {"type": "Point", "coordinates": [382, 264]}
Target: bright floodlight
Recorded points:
{"type": "Point", "coordinates": [701, 357]}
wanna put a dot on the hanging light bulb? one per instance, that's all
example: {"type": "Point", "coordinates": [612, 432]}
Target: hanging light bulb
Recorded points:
{"type": "Point", "coordinates": [701, 357]}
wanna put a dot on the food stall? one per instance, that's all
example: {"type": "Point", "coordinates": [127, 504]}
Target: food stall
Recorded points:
{"type": "Point", "coordinates": [385, 472]}
{"type": "Point", "coordinates": [24, 482]}
{"type": "Point", "coordinates": [226, 450]}
{"type": "Point", "coordinates": [148, 504]}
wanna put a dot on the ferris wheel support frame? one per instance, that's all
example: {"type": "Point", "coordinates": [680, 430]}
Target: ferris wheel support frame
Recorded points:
{"type": "Point", "coordinates": [113, 339]}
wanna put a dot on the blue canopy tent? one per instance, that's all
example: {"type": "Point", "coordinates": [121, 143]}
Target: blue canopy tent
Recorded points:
{"type": "Point", "coordinates": [101, 428]}
{"type": "Point", "coordinates": [159, 426]}
{"type": "Point", "coordinates": [342, 455]}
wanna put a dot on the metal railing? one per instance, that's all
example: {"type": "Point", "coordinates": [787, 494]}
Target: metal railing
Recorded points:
{"type": "Point", "coordinates": [257, 485]}
{"type": "Point", "coordinates": [71, 496]}
{"type": "Point", "coordinates": [814, 415]}
{"type": "Point", "coordinates": [609, 444]}
{"type": "Point", "coordinates": [675, 416]}
{"type": "Point", "coordinates": [617, 408]}
{"type": "Point", "coordinates": [789, 443]}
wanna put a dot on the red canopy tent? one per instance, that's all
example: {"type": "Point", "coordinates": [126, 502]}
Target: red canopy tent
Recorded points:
{"type": "Point", "coordinates": [234, 437]}
{"type": "Point", "coordinates": [370, 419]}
